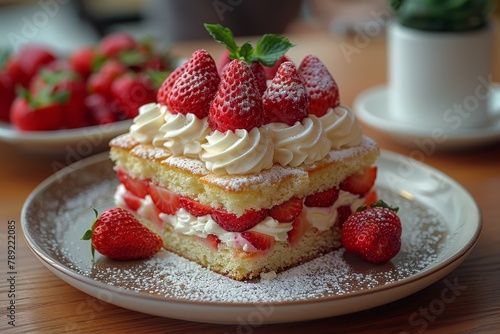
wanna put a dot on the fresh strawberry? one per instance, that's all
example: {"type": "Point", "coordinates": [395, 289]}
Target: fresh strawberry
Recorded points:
{"type": "Point", "coordinates": [322, 199]}
{"type": "Point", "coordinates": [136, 186]}
{"type": "Point", "coordinates": [287, 212]}
{"type": "Point", "coordinates": [270, 71]}
{"type": "Point", "coordinates": [133, 202]}
{"type": "Point", "coordinates": [7, 89]}
{"type": "Point", "coordinates": [194, 90]}
{"type": "Point", "coordinates": [343, 212]}
{"type": "Point", "coordinates": [59, 78]}
{"type": "Point", "coordinates": [322, 88]}
{"type": "Point", "coordinates": [112, 45]}
{"type": "Point", "coordinates": [42, 112]}
{"type": "Point", "coordinates": [82, 59]}
{"type": "Point", "coordinates": [237, 104]}
{"type": "Point", "coordinates": [371, 198]}
{"type": "Point", "coordinates": [117, 234]}
{"type": "Point", "coordinates": [286, 100]}
{"type": "Point", "coordinates": [233, 223]}
{"type": "Point", "coordinates": [195, 208]}
{"type": "Point", "coordinates": [260, 241]}
{"type": "Point", "coordinates": [374, 234]}
{"type": "Point", "coordinates": [165, 200]}
{"type": "Point", "coordinates": [99, 110]}
{"type": "Point", "coordinates": [300, 227]}
{"type": "Point", "coordinates": [259, 76]}
{"type": "Point", "coordinates": [100, 82]}
{"type": "Point", "coordinates": [132, 91]}
{"type": "Point", "coordinates": [362, 183]}
{"type": "Point", "coordinates": [213, 241]}
{"type": "Point", "coordinates": [167, 85]}
{"type": "Point", "coordinates": [23, 66]}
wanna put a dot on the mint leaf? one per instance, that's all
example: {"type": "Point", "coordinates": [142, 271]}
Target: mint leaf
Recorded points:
{"type": "Point", "coordinates": [224, 36]}
{"type": "Point", "coordinates": [270, 48]}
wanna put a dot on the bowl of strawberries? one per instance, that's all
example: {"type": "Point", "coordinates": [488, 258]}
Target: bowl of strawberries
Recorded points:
{"type": "Point", "coordinates": [60, 105]}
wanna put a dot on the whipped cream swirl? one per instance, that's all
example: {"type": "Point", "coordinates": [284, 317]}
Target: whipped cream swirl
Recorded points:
{"type": "Point", "coordinates": [303, 142]}
{"type": "Point", "coordinates": [183, 134]}
{"type": "Point", "coordinates": [238, 152]}
{"type": "Point", "coordinates": [341, 128]}
{"type": "Point", "coordinates": [146, 124]}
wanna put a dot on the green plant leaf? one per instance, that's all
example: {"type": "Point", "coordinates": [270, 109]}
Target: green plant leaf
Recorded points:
{"type": "Point", "coordinates": [270, 48]}
{"type": "Point", "coordinates": [222, 35]}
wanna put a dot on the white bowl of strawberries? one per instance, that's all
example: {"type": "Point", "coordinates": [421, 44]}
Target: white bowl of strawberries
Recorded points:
{"type": "Point", "coordinates": [76, 104]}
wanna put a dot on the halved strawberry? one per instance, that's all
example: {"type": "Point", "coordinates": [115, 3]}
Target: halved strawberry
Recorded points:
{"type": "Point", "coordinates": [165, 200]}
{"type": "Point", "coordinates": [286, 212]}
{"type": "Point", "coordinates": [136, 186]}
{"type": "Point", "coordinates": [195, 208]}
{"type": "Point", "coordinates": [360, 184]}
{"type": "Point", "coordinates": [133, 202]}
{"type": "Point", "coordinates": [300, 227]}
{"type": "Point", "coordinates": [233, 223]}
{"type": "Point", "coordinates": [343, 212]}
{"type": "Point", "coordinates": [213, 241]}
{"type": "Point", "coordinates": [260, 241]}
{"type": "Point", "coordinates": [323, 199]}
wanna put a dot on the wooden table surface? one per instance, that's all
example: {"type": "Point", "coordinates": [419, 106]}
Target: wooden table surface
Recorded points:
{"type": "Point", "coordinates": [46, 304]}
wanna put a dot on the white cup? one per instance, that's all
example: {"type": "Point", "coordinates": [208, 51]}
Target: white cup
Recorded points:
{"type": "Point", "coordinates": [440, 79]}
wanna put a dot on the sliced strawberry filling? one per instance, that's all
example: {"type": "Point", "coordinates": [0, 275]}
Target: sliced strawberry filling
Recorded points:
{"type": "Point", "coordinates": [293, 213]}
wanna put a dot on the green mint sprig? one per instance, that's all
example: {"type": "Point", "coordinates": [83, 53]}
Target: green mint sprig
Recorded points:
{"type": "Point", "coordinates": [267, 51]}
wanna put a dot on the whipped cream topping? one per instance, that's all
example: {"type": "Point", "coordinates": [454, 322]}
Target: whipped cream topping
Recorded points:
{"type": "Point", "coordinates": [147, 123]}
{"type": "Point", "coordinates": [243, 152]}
{"type": "Point", "coordinates": [341, 128]}
{"type": "Point", "coordinates": [303, 142]}
{"type": "Point", "coordinates": [239, 152]}
{"type": "Point", "coordinates": [183, 134]}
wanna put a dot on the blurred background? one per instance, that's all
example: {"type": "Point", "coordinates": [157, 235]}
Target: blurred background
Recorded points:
{"type": "Point", "coordinates": [68, 24]}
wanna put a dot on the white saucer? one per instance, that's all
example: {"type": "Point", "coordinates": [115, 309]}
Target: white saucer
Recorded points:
{"type": "Point", "coordinates": [371, 108]}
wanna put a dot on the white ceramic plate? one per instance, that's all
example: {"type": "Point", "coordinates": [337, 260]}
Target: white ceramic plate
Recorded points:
{"type": "Point", "coordinates": [371, 108]}
{"type": "Point", "coordinates": [78, 143]}
{"type": "Point", "coordinates": [441, 224]}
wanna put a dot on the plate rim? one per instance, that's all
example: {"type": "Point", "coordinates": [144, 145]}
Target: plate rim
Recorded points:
{"type": "Point", "coordinates": [434, 269]}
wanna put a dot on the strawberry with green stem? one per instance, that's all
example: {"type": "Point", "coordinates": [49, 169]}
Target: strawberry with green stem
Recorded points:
{"type": "Point", "coordinates": [117, 234]}
{"type": "Point", "coordinates": [373, 233]}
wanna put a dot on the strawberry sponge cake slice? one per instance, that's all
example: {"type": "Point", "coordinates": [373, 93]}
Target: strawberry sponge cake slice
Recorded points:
{"type": "Point", "coordinates": [240, 180]}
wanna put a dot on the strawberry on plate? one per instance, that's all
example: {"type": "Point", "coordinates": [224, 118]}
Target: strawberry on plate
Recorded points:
{"type": "Point", "coordinates": [286, 100]}
{"type": "Point", "coordinates": [238, 103]}
{"type": "Point", "coordinates": [41, 112]}
{"type": "Point", "coordinates": [117, 234]}
{"type": "Point", "coordinates": [131, 91]}
{"type": "Point", "coordinates": [7, 89]}
{"type": "Point", "coordinates": [100, 82]}
{"type": "Point", "coordinates": [82, 60]}
{"type": "Point", "coordinates": [233, 223]}
{"type": "Point", "coordinates": [112, 45]}
{"type": "Point", "coordinates": [165, 200]}
{"type": "Point", "coordinates": [361, 183]}
{"type": "Point", "coordinates": [23, 66]}
{"type": "Point", "coordinates": [322, 88]}
{"type": "Point", "coordinates": [373, 233]}
{"type": "Point", "coordinates": [195, 88]}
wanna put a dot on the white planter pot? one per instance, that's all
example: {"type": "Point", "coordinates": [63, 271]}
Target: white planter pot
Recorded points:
{"type": "Point", "coordinates": [440, 79]}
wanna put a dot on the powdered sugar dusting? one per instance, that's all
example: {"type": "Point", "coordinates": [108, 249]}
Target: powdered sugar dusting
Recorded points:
{"type": "Point", "coordinates": [167, 275]}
